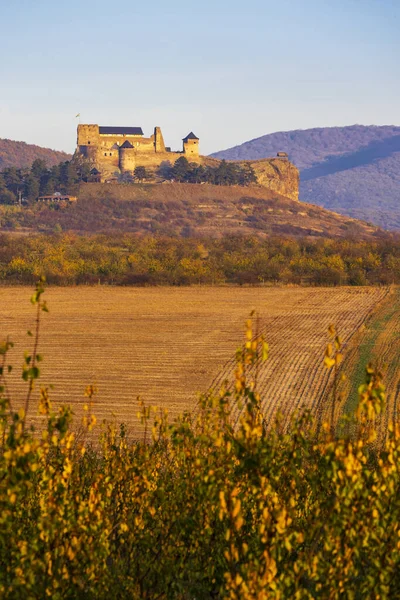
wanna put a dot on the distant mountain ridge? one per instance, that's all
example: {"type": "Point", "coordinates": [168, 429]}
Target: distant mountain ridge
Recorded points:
{"type": "Point", "coordinates": [353, 170]}
{"type": "Point", "coordinates": [22, 155]}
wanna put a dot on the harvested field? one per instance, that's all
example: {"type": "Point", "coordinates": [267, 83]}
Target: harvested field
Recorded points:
{"type": "Point", "coordinates": [166, 345]}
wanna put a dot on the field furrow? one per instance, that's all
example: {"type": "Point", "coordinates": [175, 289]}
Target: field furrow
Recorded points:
{"type": "Point", "coordinates": [167, 345]}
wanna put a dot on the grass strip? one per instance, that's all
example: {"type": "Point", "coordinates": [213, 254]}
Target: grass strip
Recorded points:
{"type": "Point", "coordinates": [367, 346]}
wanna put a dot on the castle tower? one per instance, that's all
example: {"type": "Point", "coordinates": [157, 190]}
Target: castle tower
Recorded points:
{"type": "Point", "coordinates": [88, 141]}
{"type": "Point", "coordinates": [191, 145]}
{"type": "Point", "coordinates": [88, 135]}
{"type": "Point", "coordinates": [127, 157]}
{"type": "Point", "coordinates": [158, 140]}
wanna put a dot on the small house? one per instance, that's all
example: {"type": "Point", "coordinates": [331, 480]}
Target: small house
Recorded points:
{"type": "Point", "coordinates": [57, 197]}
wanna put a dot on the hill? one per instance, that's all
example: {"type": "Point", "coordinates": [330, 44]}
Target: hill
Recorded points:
{"type": "Point", "coordinates": [22, 155]}
{"type": "Point", "coordinates": [353, 170]}
{"type": "Point", "coordinates": [187, 210]}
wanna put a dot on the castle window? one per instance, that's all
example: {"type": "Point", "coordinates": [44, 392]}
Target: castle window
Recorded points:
{"type": "Point", "coordinates": [105, 153]}
{"type": "Point", "coordinates": [88, 142]}
{"type": "Point", "coordinates": [110, 153]}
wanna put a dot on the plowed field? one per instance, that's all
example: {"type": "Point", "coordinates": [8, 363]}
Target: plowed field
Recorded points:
{"type": "Point", "coordinates": [166, 345]}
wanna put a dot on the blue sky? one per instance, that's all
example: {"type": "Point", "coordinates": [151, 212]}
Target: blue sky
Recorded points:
{"type": "Point", "coordinates": [228, 70]}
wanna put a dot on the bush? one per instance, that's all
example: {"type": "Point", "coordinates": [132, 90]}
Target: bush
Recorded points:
{"type": "Point", "coordinates": [7, 197]}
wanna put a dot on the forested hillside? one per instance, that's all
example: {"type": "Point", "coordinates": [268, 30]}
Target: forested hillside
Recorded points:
{"type": "Point", "coordinates": [21, 155]}
{"type": "Point", "coordinates": [353, 170]}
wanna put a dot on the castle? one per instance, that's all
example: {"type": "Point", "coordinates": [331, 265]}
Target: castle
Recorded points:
{"type": "Point", "coordinates": [114, 150]}
{"type": "Point", "coordinates": [111, 149]}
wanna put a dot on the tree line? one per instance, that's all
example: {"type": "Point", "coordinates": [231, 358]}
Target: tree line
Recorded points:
{"type": "Point", "coordinates": [183, 171]}
{"type": "Point", "coordinates": [126, 259]}
{"type": "Point", "coordinates": [27, 184]}
{"type": "Point", "coordinates": [225, 173]}
{"type": "Point", "coordinates": [40, 180]}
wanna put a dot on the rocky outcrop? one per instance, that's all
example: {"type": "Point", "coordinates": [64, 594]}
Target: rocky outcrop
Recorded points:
{"type": "Point", "coordinates": [278, 175]}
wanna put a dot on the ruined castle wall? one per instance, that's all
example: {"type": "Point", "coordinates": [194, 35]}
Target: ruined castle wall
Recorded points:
{"type": "Point", "coordinates": [158, 140]}
{"type": "Point", "coordinates": [145, 146]}
{"type": "Point", "coordinates": [127, 159]}
{"type": "Point", "coordinates": [154, 160]}
{"type": "Point", "coordinates": [107, 156]}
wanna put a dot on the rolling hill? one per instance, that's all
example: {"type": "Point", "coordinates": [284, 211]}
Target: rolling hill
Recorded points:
{"type": "Point", "coordinates": [21, 155]}
{"type": "Point", "coordinates": [352, 170]}
{"type": "Point", "coordinates": [185, 209]}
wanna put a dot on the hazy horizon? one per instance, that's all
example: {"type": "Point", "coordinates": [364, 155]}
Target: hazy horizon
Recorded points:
{"type": "Point", "coordinates": [229, 72]}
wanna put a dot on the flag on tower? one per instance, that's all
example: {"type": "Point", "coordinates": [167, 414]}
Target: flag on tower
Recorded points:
{"type": "Point", "coordinates": [78, 115]}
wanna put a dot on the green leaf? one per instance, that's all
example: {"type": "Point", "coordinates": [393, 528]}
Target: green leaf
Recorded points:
{"type": "Point", "coordinates": [33, 373]}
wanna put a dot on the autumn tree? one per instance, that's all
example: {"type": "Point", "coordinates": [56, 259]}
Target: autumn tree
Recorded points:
{"type": "Point", "coordinates": [140, 173]}
{"type": "Point", "coordinates": [181, 169]}
{"type": "Point", "coordinates": [31, 187]}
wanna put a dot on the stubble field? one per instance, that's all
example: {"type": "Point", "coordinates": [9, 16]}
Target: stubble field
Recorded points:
{"type": "Point", "coordinates": [167, 345]}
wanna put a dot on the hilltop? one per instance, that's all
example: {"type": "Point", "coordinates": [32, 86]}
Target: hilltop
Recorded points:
{"type": "Point", "coordinates": [22, 155]}
{"type": "Point", "coordinates": [353, 170]}
{"type": "Point", "coordinates": [188, 210]}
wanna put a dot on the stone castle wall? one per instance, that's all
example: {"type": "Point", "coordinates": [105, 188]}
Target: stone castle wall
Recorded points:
{"type": "Point", "coordinates": [159, 140]}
